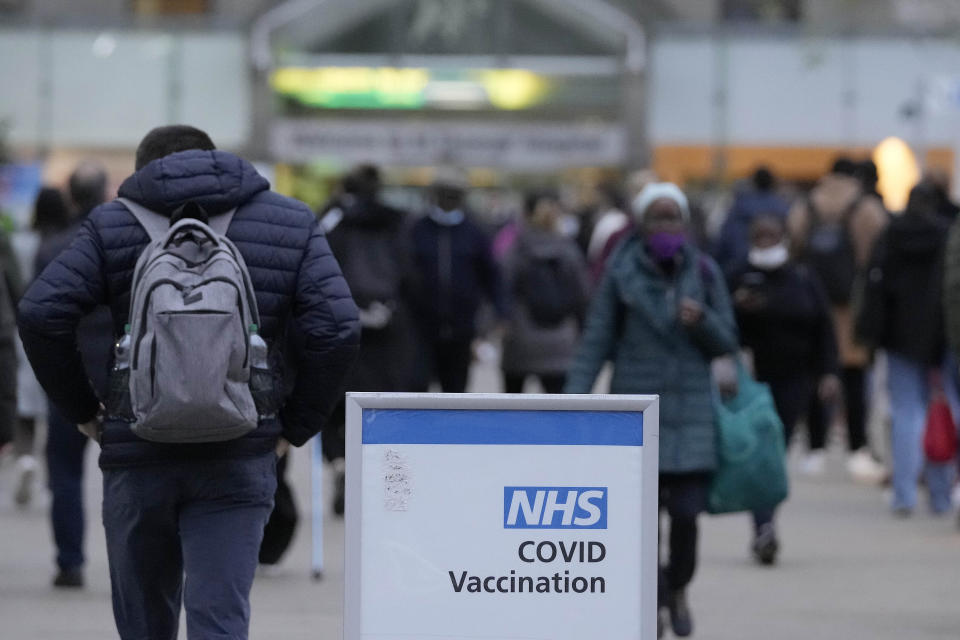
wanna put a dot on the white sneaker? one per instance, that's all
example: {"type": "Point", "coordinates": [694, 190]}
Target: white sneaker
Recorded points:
{"type": "Point", "coordinates": [814, 464]}
{"type": "Point", "coordinates": [27, 467]}
{"type": "Point", "coordinates": [864, 469]}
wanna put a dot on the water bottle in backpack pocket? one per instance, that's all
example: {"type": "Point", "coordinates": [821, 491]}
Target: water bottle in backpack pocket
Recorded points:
{"type": "Point", "coordinates": [118, 394]}
{"type": "Point", "coordinates": [263, 385]}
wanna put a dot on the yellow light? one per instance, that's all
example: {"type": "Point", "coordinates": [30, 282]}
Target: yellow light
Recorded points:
{"type": "Point", "coordinates": [512, 89]}
{"type": "Point", "coordinates": [898, 172]}
{"type": "Point", "coordinates": [349, 80]}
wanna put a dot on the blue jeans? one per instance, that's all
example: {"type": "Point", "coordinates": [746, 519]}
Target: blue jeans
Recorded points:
{"type": "Point", "coordinates": [65, 450]}
{"type": "Point", "coordinates": [204, 518]}
{"type": "Point", "coordinates": [909, 400]}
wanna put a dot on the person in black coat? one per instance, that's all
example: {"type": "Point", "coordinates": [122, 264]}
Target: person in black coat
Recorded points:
{"type": "Point", "coordinates": [199, 509]}
{"type": "Point", "coordinates": [784, 319]}
{"type": "Point", "coordinates": [906, 277]}
{"type": "Point", "coordinates": [66, 446]}
{"type": "Point", "coordinates": [370, 240]}
{"type": "Point", "coordinates": [454, 271]}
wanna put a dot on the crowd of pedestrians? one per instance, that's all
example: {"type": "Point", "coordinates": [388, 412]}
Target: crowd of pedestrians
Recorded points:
{"type": "Point", "coordinates": [807, 291]}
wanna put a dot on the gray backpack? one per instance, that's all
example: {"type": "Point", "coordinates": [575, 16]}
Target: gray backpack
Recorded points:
{"type": "Point", "coordinates": [191, 305]}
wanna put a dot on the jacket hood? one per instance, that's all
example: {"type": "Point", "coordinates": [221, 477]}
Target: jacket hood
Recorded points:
{"type": "Point", "coordinates": [917, 237]}
{"type": "Point", "coordinates": [834, 195]}
{"type": "Point", "coordinates": [748, 204]}
{"type": "Point", "coordinates": [215, 180]}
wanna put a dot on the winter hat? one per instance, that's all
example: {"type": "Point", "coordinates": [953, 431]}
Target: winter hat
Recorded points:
{"type": "Point", "coordinates": [653, 192]}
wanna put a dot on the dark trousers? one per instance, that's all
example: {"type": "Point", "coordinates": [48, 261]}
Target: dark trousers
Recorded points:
{"type": "Point", "coordinates": [818, 419]}
{"type": "Point", "coordinates": [855, 400]}
{"type": "Point", "coordinates": [684, 497]}
{"type": "Point", "coordinates": [333, 441]}
{"type": "Point", "coordinates": [447, 361]}
{"type": "Point", "coordinates": [793, 397]}
{"type": "Point", "coordinates": [384, 364]}
{"type": "Point", "coordinates": [65, 450]}
{"type": "Point", "coordinates": [203, 518]}
{"type": "Point", "coordinates": [551, 383]}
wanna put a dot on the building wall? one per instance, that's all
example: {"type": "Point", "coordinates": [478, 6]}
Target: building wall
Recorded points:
{"type": "Point", "coordinates": [719, 104]}
{"type": "Point", "coordinates": [803, 90]}
{"type": "Point", "coordinates": [106, 89]}
{"type": "Point", "coordinates": [90, 11]}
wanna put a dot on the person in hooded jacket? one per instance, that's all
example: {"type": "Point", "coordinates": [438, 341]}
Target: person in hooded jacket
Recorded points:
{"type": "Point", "coordinates": [661, 315]}
{"type": "Point", "coordinates": [370, 241]}
{"type": "Point", "coordinates": [194, 509]}
{"type": "Point", "coordinates": [784, 320]}
{"type": "Point", "coordinates": [940, 181]}
{"type": "Point", "coordinates": [750, 201]}
{"type": "Point", "coordinates": [833, 232]}
{"type": "Point", "coordinates": [535, 344]}
{"type": "Point", "coordinates": [65, 447]}
{"type": "Point", "coordinates": [908, 264]}
{"type": "Point", "coordinates": [453, 273]}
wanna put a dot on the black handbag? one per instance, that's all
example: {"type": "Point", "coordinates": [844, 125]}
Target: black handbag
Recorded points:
{"type": "Point", "coordinates": [278, 534]}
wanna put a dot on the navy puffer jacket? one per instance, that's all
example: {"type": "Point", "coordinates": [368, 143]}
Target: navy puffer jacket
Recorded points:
{"type": "Point", "coordinates": [306, 312]}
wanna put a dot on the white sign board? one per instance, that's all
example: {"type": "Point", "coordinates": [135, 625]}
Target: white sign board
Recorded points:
{"type": "Point", "coordinates": [512, 146]}
{"type": "Point", "coordinates": [501, 517]}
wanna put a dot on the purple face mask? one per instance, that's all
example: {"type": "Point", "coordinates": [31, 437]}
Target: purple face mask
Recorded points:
{"type": "Point", "coordinates": [665, 245]}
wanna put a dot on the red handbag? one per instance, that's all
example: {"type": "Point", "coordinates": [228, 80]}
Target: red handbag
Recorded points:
{"type": "Point", "coordinates": [940, 436]}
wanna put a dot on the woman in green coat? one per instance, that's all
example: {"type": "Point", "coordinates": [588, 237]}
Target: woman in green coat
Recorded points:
{"type": "Point", "coordinates": [661, 315]}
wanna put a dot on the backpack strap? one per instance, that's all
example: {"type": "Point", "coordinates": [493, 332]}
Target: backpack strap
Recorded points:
{"type": "Point", "coordinates": [157, 225]}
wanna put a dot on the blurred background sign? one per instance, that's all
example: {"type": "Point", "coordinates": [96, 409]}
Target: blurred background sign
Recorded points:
{"type": "Point", "coordinates": [523, 146]}
{"type": "Point", "coordinates": [391, 88]}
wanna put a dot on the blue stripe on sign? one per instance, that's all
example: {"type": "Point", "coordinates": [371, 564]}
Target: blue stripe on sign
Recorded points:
{"type": "Point", "coordinates": [440, 426]}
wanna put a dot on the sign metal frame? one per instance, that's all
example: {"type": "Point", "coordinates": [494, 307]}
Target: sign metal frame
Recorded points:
{"type": "Point", "coordinates": [648, 405]}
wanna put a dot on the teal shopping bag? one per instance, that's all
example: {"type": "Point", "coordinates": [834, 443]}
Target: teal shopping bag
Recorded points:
{"type": "Point", "coordinates": [752, 472]}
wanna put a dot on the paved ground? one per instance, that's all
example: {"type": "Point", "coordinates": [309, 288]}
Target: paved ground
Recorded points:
{"type": "Point", "coordinates": [849, 571]}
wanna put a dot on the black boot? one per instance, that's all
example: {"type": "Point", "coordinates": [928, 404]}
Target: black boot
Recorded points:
{"type": "Point", "coordinates": [680, 619]}
{"type": "Point", "coordinates": [69, 578]}
{"type": "Point", "coordinates": [765, 545]}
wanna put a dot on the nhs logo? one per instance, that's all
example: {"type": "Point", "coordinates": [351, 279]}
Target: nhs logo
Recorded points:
{"type": "Point", "coordinates": [554, 507]}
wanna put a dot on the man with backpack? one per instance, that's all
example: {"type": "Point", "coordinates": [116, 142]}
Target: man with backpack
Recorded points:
{"type": "Point", "coordinates": [833, 232]}
{"type": "Point", "coordinates": [66, 447]}
{"type": "Point", "coordinates": [210, 311]}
